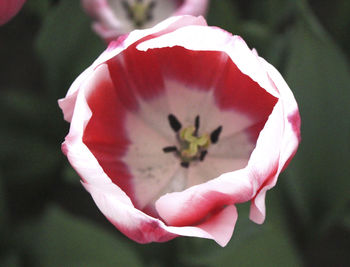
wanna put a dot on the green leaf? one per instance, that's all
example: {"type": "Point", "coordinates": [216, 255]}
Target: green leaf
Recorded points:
{"type": "Point", "coordinates": [67, 45]}
{"type": "Point", "coordinates": [33, 154]}
{"type": "Point", "coordinates": [60, 239]}
{"type": "Point", "coordinates": [3, 210]}
{"type": "Point", "coordinates": [70, 176]}
{"type": "Point", "coordinates": [224, 14]}
{"type": "Point", "coordinates": [24, 111]}
{"type": "Point", "coordinates": [10, 260]}
{"type": "Point", "coordinates": [38, 7]}
{"type": "Point", "coordinates": [256, 34]}
{"type": "Point", "coordinates": [318, 74]}
{"type": "Point", "coordinates": [346, 220]}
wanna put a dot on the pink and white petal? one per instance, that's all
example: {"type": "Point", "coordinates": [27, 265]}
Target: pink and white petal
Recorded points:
{"type": "Point", "coordinates": [192, 7]}
{"type": "Point", "coordinates": [197, 103]}
{"type": "Point", "coordinates": [198, 38]}
{"type": "Point", "coordinates": [195, 203]}
{"type": "Point", "coordinates": [142, 86]}
{"type": "Point", "coordinates": [9, 8]}
{"type": "Point", "coordinates": [221, 225]}
{"type": "Point", "coordinates": [151, 169]}
{"type": "Point", "coordinates": [144, 229]}
{"type": "Point", "coordinates": [235, 146]}
{"type": "Point", "coordinates": [130, 221]}
{"type": "Point", "coordinates": [107, 33]}
{"type": "Point", "coordinates": [112, 201]}
{"type": "Point", "coordinates": [206, 66]}
{"type": "Point", "coordinates": [239, 92]}
{"type": "Point", "coordinates": [264, 161]}
{"type": "Point", "coordinates": [212, 167]}
{"type": "Point", "coordinates": [143, 72]}
{"type": "Point", "coordinates": [291, 137]}
{"type": "Point", "coordinates": [117, 206]}
{"type": "Point", "coordinates": [92, 6]}
{"type": "Point", "coordinates": [166, 26]}
{"type": "Point", "coordinates": [67, 104]}
{"type": "Point", "coordinates": [218, 227]}
{"type": "Point", "coordinates": [287, 139]}
{"type": "Point", "coordinates": [248, 98]}
{"type": "Point", "coordinates": [73, 145]}
{"type": "Point", "coordinates": [194, 37]}
{"type": "Point", "coordinates": [105, 134]}
{"type": "Point", "coordinates": [203, 104]}
{"type": "Point", "coordinates": [123, 43]}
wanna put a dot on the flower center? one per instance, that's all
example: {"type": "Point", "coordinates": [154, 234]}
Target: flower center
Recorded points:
{"type": "Point", "coordinates": [139, 11]}
{"type": "Point", "coordinates": [191, 147]}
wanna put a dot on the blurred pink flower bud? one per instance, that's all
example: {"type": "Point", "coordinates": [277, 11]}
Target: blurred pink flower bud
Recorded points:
{"type": "Point", "coordinates": [172, 126]}
{"type": "Point", "coordinates": [116, 17]}
{"type": "Point", "coordinates": [8, 9]}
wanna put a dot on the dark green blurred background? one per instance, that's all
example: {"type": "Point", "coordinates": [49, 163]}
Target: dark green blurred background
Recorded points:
{"type": "Point", "coordinates": [47, 218]}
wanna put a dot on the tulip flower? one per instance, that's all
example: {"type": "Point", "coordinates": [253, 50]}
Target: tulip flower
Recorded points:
{"type": "Point", "coordinates": [113, 18]}
{"type": "Point", "coordinates": [8, 9]}
{"type": "Point", "coordinates": [172, 126]}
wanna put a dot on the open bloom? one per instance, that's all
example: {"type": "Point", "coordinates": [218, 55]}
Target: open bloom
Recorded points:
{"type": "Point", "coordinates": [173, 125]}
{"type": "Point", "coordinates": [9, 8]}
{"type": "Point", "coordinates": [113, 18]}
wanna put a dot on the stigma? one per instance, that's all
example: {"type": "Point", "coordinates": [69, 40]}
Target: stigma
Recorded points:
{"type": "Point", "coordinates": [139, 11]}
{"type": "Point", "coordinates": [191, 146]}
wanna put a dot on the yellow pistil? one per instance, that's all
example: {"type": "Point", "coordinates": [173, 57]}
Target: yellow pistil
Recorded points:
{"type": "Point", "coordinates": [140, 12]}
{"type": "Point", "coordinates": [193, 144]}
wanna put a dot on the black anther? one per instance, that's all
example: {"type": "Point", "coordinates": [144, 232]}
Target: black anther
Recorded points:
{"type": "Point", "coordinates": [125, 5]}
{"type": "Point", "coordinates": [152, 4]}
{"type": "Point", "coordinates": [203, 154]}
{"type": "Point", "coordinates": [174, 123]}
{"type": "Point", "coordinates": [168, 149]}
{"type": "Point", "coordinates": [196, 125]}
{"type": "Point", "coordinates": [185, 164]}
{"type": "Point", "coordinates": [214, 136]}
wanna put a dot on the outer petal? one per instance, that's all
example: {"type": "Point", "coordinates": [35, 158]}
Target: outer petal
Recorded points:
{"type": "Point", "coordinates": [144, 229]}
{"type": "Point", "coordinates": [195, 203]}
{"type": "Point", "coordinates": [284, 129]}
{"type": "Point", "coordinates": [9, 8]}
{"type": "Point", "coordinates": [203, 210]}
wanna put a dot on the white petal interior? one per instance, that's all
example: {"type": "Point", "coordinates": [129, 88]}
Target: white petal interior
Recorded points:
{"type": "Point", "coordinates": [155, 172]}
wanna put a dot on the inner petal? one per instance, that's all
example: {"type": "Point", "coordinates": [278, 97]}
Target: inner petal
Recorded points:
{"type": "Point", "coordinates": [155, 172]}
{"type": "Point", "coordinates": [213, 167]}
{"type": "Point", "coordinates": [151, 169]}
{"type": "Point", "coordinates": [128, 137]}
